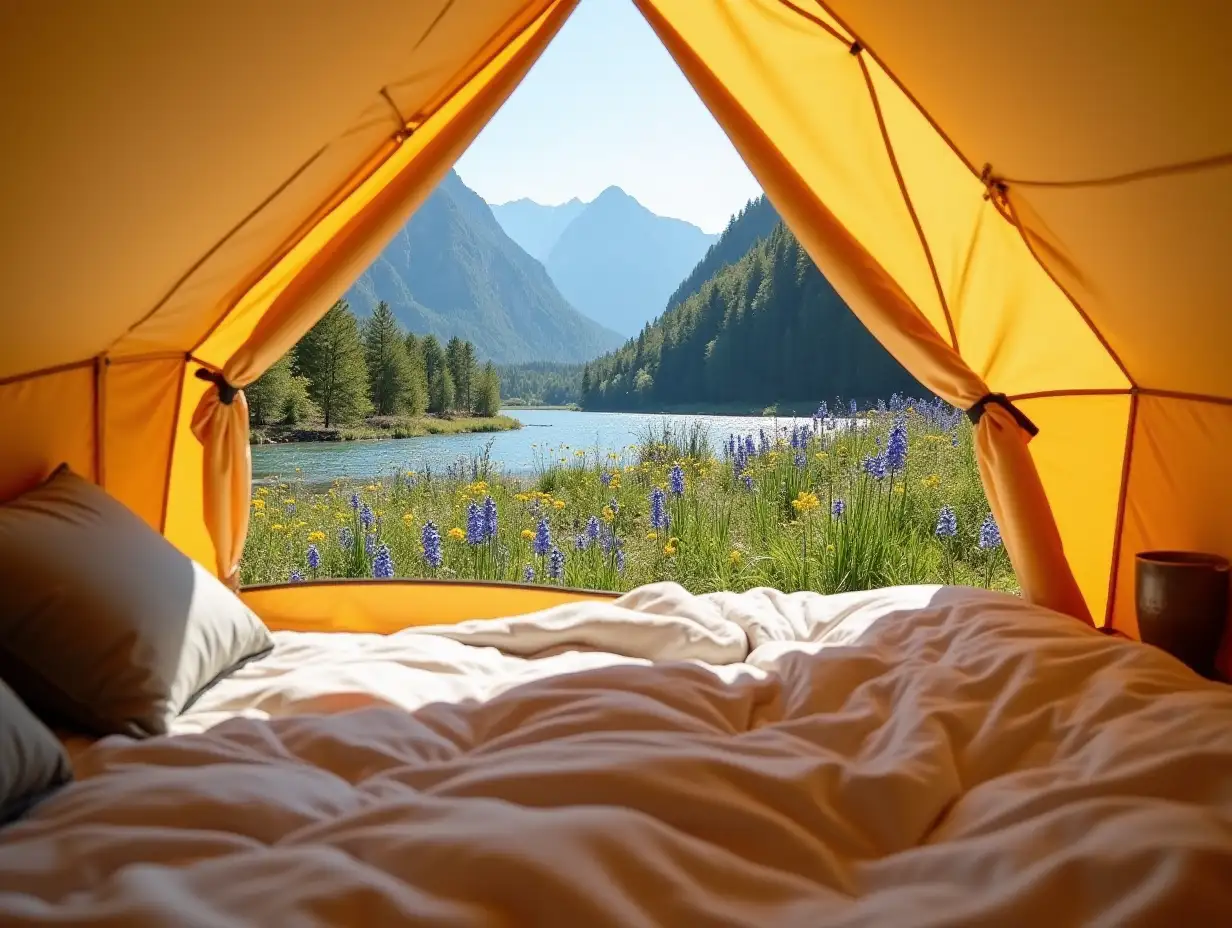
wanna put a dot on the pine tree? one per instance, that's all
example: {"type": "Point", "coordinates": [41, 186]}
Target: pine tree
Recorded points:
{"type": "Point", "coordinates": [455, 359]}
{"type": "Point", "coordinates": [268, 393]}
{"type": "Point", "coordinates": [433, 357]}
{"type": "Point", "coordinates": [417, 390]}
{"type": "Point", "coordinates": [487, 391]}
{"type": "Point", "coordinates": [586, 385]}
{"type": "Point", "coordinates": [466, 385]}
{"type": "Point", "coordinates": [331, 358]}
{"type": "Point", "coordinates": [389, 369]}
{"type": "Point", "coordinates": [441, 393]}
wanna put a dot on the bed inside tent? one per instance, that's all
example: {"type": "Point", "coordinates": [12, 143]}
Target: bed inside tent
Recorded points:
{"type": "Point", "coordinates": [1028, 205]}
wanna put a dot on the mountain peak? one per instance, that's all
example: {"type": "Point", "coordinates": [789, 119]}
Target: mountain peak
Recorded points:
{"type": "Point", "coordinates": [613, 194]}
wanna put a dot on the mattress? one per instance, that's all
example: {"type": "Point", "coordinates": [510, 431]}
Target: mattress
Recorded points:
{"type": "Point", "coordinates": [918, 755]}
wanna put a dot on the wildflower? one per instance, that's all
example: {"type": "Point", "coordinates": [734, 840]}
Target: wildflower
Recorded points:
{"type": "Point", "coordinates": [672, 544]}
{"type": "Point", "coordinates": [289, 502]}
{"type": "Point", "coordinates": [821, 455]}
{"type": "Point", "coordinates": [263, 491]}
{"type": "Point", "coordinates": [383, 564]}
{"type": "Point", "coordinates": [522, 497]}
{"type": "Point", "coordinates": [801, 459]}
{"type": "Point", "coordinates": [605, 478]}
{"type": "Point", "coordinates": [747, 481]}
{"type": "Point", "coordinates": [823, 411]}
{"type": "Point", "coordinates": [581, 542]}
{"type": "Point", "coordinates": [316, 536]}
{"type": "Point", "coordinates": [613, 505]}
{"type": "Point", "coordinates": [990, 533]}
{"type": "Point", "coordinates": [528, 574]}
{"type": "Point", "coordinates": [355, 502]}
{"type": "Point", "coordinates": [931, 482]}
{"type": "Point", "coordinates": [457, 534]}
{"type": "Point", "coordinates": [734, 557]}
{"type": "Point", "coordinates": [592, 528]}
{"type": "Point", "coordinates": [558, 504]}
{"type": "Point", "coordinates": [259, 514]}
{"type": "Point", "coordinates": [749, 448]}
{"type": "Point", "coordinates": [476, 528]}
{"type": "Point", "coordinates": [658, 509]}
{"type": "Point", "coordinates": [527, 534]}
{"type": "Point", "coordinates": [365, 517]}
{"type": "Point", "coordinates": [615, 484]}
{"type": "Point", "coordinates": [345, 538]}
{"type": "Point", "coordinates": [543, 538]}
{"type": "Point", "coordinates": [898, 489]}
{"type": "Point", "coordinates": [652, 536]}
{"type": "Point", "coordinates": [896, 446]}
{"type": "Point", "coordinates": [837, 508]}
{"type": "Point", "coordinates": [408, 517]}
{"type": "Point", "coordinates": [431, 539]}
{"type": "Point", "coordinates": [556, 564]}
{"type": "Point", "coordinates": [278, 526]}
{"type": "Point", "coordinates": [258, 503]}
{"type": "Point", "coordinates": [620, 561]}
{"type": "Point", "coordinates": [829, 549]}
{"type": "Point", "coordinates": [854, 409]}
{"type": "Point", "coordinates": [875, 466]}
{"type": "Point", "coordinates": [947, 523]}
{"type": "Point", "coordinates": [805, 502]}
{"type": "Point", "coordinates": [296, 577]}
{"type": "Point", "coordinates": [369, 543]}
{"type": "Point", "coordinates": [313, 557]}
{"type": "Point", "coordinates": [608, 513]}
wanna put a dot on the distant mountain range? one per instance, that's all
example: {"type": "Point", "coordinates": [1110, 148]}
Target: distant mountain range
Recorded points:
{"type": "Point", "coordinates": [452, 270]}
{"type": "Point", "coordinates": [612, 258]}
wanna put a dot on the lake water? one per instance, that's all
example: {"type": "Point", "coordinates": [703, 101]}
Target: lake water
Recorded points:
{"type": "Point", "coordinates": [515, 452]}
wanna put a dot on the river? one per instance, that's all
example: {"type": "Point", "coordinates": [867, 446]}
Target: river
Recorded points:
{"type": "Point", "coordinates": [515, 452]}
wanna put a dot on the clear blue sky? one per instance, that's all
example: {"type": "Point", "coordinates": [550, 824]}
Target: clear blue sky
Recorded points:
{"type": "Point", "coordinates": [606, 105]}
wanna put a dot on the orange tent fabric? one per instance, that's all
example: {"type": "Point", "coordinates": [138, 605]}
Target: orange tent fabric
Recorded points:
{"type": "Point", "coordinates": [1028, 199]}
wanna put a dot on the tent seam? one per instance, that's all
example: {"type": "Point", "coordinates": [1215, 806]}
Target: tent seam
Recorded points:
{"type": "Point", "coordinates": [175, 427]}
{"type": "Point", "coordinates": [1093, 391]}
{"type": "Point", "coordinates": [1122, 496]}
{"type": "Point", "coordinates": [47, 371]}
{"type": "Point", "coordinates": [100, 419]}
{"type": "Point", "coordinates": [1129, 177]}
{"type": "Point", "coordinates": [902, 187]}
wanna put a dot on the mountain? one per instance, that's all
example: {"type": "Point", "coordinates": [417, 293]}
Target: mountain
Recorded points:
{"type": "Point", "coordinates": [451, 270]}
{"type": "Point", "coordinates": [618, 262]}
{"type": "Point", "coordinates": [766, 328]}
{"type": "Point", "coordinates": [744, 230]}
{"type": "Point", "coordinates": [534, 226]}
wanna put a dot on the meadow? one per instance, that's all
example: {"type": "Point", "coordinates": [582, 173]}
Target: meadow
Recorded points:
{"type": "Point", "coordinates": [878, 497]}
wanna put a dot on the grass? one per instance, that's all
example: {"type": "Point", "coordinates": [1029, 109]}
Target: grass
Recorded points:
{"type": "Point", "coordinates": [380, 427]}
{"type": "Point", "coordinates": [765, 519]}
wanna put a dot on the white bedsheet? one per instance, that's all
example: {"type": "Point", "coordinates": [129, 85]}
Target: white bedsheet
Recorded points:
{"type": "Point", "coordinates": [915, 756]}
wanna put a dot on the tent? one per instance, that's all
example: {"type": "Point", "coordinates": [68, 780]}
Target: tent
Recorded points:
{"type": "Point", "coordinates": [1026, 202]}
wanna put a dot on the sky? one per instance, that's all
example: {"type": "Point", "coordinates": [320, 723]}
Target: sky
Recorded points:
{"type": "Point", "coordinates": [605, 105]}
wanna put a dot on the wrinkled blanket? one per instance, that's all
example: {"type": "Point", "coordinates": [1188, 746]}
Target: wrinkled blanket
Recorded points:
{"type": "Point", "coordinates": [912, 756]}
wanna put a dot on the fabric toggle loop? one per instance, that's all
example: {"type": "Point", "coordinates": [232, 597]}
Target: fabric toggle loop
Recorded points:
{"type": "Point", "coordinates": [995, 188]}
{"type": "Point", "coordinates": [856, 47]}
{"type": "Point", "coordinates": [976, 412]}
{"type": "Point", "coordinates": [226, 392]}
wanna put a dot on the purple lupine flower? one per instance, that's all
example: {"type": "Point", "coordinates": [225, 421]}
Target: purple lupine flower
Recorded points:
{"type": "Point", "coordinates": [355, 502]}
{"type": "Point", "coordinates": [837, 508]}
{"type": "Point", "coordinates": [543, 538]}
{"type": "Point", "coordinates": [854, 408]}
{"type": "Point", "coordinates": [592, 528]}
{"type": "Point", "coordinates": [620, 561]}
{"type": "Point", "coordinates": [345, 538]}
{"type": "Point", "coordinates": [365, 517]}
{"type": "Point", "coordinates": [762, 444]}
{"type": "Point", "coordinates": [290, 508]}
{"type": "Point", "coordinates": [659, 519]}
{"type": "Point", "coordinates": [383, 564]}
{"type": "Point", "coordinates": [615, 506]}
{"type": "Point", "coordinates": [431, 538]}
{"type": "Point", "coordinates": [491, 522]}
{"type": "Point", "coordinates": [731, 445]}
{"type": "Point", "coordinates": [675, 480]}
{"type": "Point", "coordinates": [823, 411]}
{"type": "Point", "coordinates": [896, 446]}
{"type": "Point", "coordinates": [556, 564]}
{"type": "Point", "coordinates": [875, 466]}
{"type": "Point", "coordinates": [947, 523]}
{"type": "Point", "coordinates": [748, 482]}
{"type": "Point", "coordinates": [528, 574]}
{"type": "Point", "coordinates": [801, 459]}
{"type": "Point", "coordinates": [605, 478]}
{"type": "Point", "coordinates": [580, 542]}
{"type": "Point", "coordinates": [750, 449]}
{"type": "Point", "coordinates": [369, 543]}
{"type": "Point", "coordinates": [881, 406]}
{"type": "Point", "coordinates": [607, 539]}
{"type": "Point", "coordinates": [313, 557]}
{"type": "Point", "coordinates": [475, 534]}
{"type": "Point", "coordinates": [990, 533]}
{"type": "Point", "coordinates": [896, 402]}
{"type": "Point", "coordinates": [296, 577]}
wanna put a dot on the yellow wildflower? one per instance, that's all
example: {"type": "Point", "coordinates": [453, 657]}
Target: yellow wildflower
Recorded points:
{"type": "Point", "coordinates": [805, 502]}
{"type": "Point", "coordinates": [316, 536]}
{"type": "Point", "coordinates": [457, 534]}
{"type": "Point", "coordinates": [277, 526]}
{"type": "Point", "coordinates": [670, 548]}
{"type": "Point", "coordinates": [558, 504]}
{"type": "Point", "coordinates": [343, 518]}
{"type": "Point", "coordinates": [829, 549]}
{"type": "Point", "coordinates": [579, 453]}
{"type": "Point", "coordinates": [282, 486]}
{"type": "Point", "coordinates": [735, 557]}
{"type": "Point", "coordinates": [608, 514]}
{"type": "Point", "coordinates": [410, 473]}
{"type": "Point", "coordinates": [300, 524]}
{"type": "Point", "coordinates": [258, 503]}
{"type": "Point", "coordinates": [614, 484]}
{"type": "Point", "coordinates": [379, 513]}
{"type": "Point", "coordinates": [931, 482]}
{"type": "Point", "coordinates": [259, 514]}
{"type": "Point", "coordinates": [299, 470]}
{"type": "Point", "coordinates": [262, 491]}
{"type": "Point", "coordinates": [407, 517]}
{"type": "Point", "coordinates": [522, 497]}
{"type": "Point", "coordinates": [821, 455]}
{"type": "Point", "coordinates": [651, 536]}
{"type": "Point", "coordinates": [527, 534]}
{"type": "Point", "coordinates": [898, 488]}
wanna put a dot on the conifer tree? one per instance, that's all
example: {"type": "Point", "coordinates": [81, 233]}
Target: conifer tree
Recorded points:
{"type": "Point", "coordinates": [331, 358]}
{"type": "Point", "coordinates": [417, 390]}
{"type": "Point", "coordinates": [487, 391]}
{"type": "Point", "coordinates": [441, 393]}
{"type": "Point", "coordinates": [389, 368]}
{"type": "Point", "coordinates": [455, 359]}
{"type": "Point", "coordinates": [268, 393]}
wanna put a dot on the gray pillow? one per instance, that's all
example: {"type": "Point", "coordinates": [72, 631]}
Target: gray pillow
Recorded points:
{"type": "Point", "coordinates": [104, 625]}
{"type": "Point", "coordinates": [32, 761]}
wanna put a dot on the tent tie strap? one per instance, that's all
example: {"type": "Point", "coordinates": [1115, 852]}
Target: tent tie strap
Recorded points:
{"type": "Point", "coordinates": [226, 392]}
{"type": "Point", "coordinates": [976, 412]}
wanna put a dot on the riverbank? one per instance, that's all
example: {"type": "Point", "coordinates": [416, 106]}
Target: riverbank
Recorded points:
{"type": "Point", "coordinates": [786, 410]}
{"type": "Point", "coordinates": [378, 428]}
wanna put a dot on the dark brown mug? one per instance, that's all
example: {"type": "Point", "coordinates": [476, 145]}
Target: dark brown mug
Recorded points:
{"type": "Point", "coordinates": [1182, 601]}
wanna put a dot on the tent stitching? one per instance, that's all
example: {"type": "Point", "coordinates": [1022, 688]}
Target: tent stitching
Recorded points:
{"type": "Point", "coordinates": [100, 418]}
{"type": "Point", "coordinates": [46, 371]}
{"type": "Point", "coordinates": [1118, 536]}
{"type": "Point", "coordinates": [1092, 391]}
{"type": "Point", "coordinates": [1164, 170]}
{"type": "Point", "coordinates": [902, 187]}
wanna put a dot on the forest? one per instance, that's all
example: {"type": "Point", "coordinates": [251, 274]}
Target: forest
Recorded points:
{"type": "Point", "coordinates": [345, 370]}
{"type": "Point", "coordinates": [766, 328]}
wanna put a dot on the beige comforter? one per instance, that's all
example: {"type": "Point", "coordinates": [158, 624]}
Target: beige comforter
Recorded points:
{"type": "Point", "coordinates": [914, 756]}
